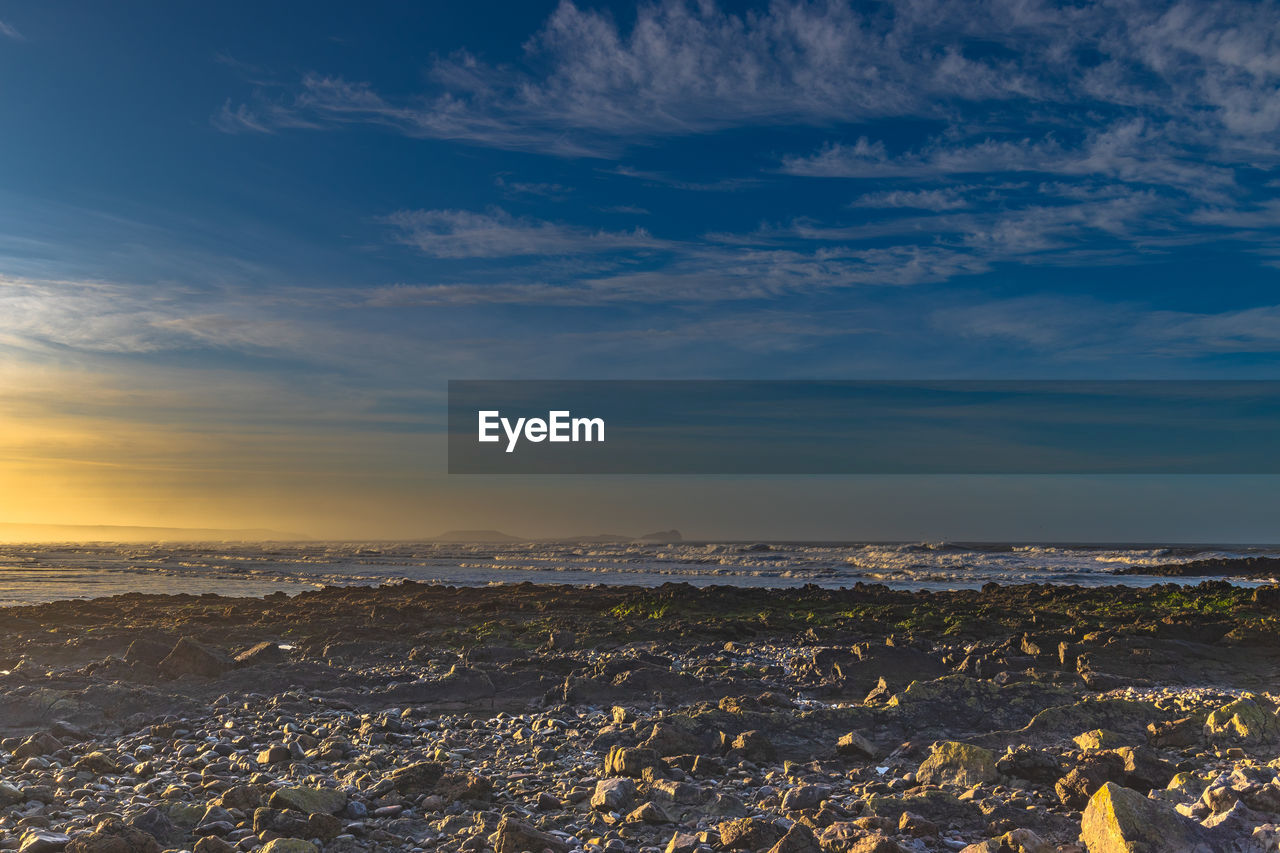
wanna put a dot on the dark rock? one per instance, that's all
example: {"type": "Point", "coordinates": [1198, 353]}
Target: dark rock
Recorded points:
{"type": "Point", "coordinates": [1034, 765]}
{"type": "Point", "coordinates": [748, 833]}
{"type": "Point", "coordinates": [114, 836]}
{"type": "Point", "coordinates": [266, 652]}
{"type": "Point", "coordinates": [191, 657]}
{"type": "Point", "coordinates": [514, 836]}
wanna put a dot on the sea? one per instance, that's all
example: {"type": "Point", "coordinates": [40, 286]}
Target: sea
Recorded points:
{"type": "Point", "coordinates": [35, 573]}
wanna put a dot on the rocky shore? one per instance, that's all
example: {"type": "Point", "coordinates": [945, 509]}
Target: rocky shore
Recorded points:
{"type": "Point", "coordinates": [1018, 719]}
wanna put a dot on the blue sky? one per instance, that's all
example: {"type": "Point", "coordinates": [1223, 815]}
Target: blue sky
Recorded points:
{"type": "Point", "coordinates": [263, 238]}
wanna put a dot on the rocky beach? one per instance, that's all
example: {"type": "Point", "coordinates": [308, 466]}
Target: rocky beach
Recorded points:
{"type": "Point", "coordinates": [522, 717]}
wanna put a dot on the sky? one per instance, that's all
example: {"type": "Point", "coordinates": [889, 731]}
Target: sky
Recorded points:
{"type": "Point", "coordinates": [244, 246]}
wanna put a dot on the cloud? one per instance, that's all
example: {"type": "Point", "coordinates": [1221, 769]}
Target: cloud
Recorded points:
{"type": "Point", "coordinates": [498, 234]}
{"type": "Point", "coordinates": [1129, 150]}
{"type": "Point", "coordinates": [1090, 329]}
{"type": "Point", "coordinates": [10, 32]}
{"type": "Point", "coordinates": [588, 83]}
{"type": "Point", "coordinates": [663, 180]}
{"type": "Point", "coordinates": [536, 189]}
{"type": "Point", "coordinates": [949, 198]}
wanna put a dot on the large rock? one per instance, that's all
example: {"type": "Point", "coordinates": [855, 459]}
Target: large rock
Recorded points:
{"type": "Point", "coordinates": [98, 763]}
{"type": "Point", "coordinates": [146, 651]}
{"type": "Point", "coordinates": [309, 800]}
{"type": "Point", "coordinates": [266, 652]}
{"type": "Point", "coordinates": [514, 836]}
{"type": "Point", "coordinates": [39, 744]}
{"type": "Point", "coordinates": [1242, 721]}
{"type": "Point", "coordinates": [799, 839]}
{"type": "Point", "coordinates": [43, 841]}
{"type": "Point", "coordinates": [633, 761]}
{"type": "Point", "coordinates": [754, 746]}
{"type": "Point", "coordinates": [1031, 764]}
{"type": "Point", "coordinates": [613, 795]}
{"type": "Point", "coordinates": [1015, 841]}
{"type": "Point", "coordinates": [1094, 770]}
{"type": "Point", "coordinates": [953, 763]}
{"type": "Point", "coordinates": [748, 833]}
{"type": "Point", "coordinates": [1120, 820]}
{"type": "Point", "coordinates": [847, 837]}
{"type": "Point", "coordinates": [114, 836]}
{"type": "Point", "coordinates": [288, 845]}
{"type": "Point", "coordinates": [854, 745]}
{"type": "Point", "coordinates": [417, 778]}
{"type": "Point", "coordinates": [155, 823]}
{"type": "Point", "coordinates": [191, 657]}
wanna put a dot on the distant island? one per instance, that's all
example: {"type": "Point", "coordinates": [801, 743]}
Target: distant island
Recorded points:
{"type": "Point", "coordinates": [485, 537]}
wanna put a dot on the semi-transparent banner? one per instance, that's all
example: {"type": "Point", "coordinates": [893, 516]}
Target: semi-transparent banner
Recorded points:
{"type": "Point", "coordinates": [864, 427]}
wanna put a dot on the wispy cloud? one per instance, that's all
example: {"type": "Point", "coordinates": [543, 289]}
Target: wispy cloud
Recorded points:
{"type": "Point", "coordinates": [589, 83]}
{"type": "Point", "coordinates": [1091, 330]}
{"type": "Point", "coordinates": [9, 31]}
{"type": "Point", "coordinates": [534, 189]}
{"type": "Point", "coordinates": [498, 234]}
{"type": "Point", "coordinates": [948, 198]}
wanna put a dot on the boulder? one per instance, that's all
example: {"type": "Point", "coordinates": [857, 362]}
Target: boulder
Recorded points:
{"type": "Point", "coordinates": [854, 745]}
{"type": "Point", "coordinates": [953, 763]}
{"type": "Point", "coordinates": [288, 845]}
{"type": "Point", "coordinates": [146, 651]}
{"type": "Point", "coordinates": [748, 833]}
{"type": "Point", "coordinates": [114, 836]}
{"type": "Point", "coordinates": [799, 839]}
{"type": "Point", "coordinates": [467, 787]}
{"type": "Point", "coordinates": [804, 797]}
{"type": "Point", "coordinates": [266, 652]}
{"type": "Point", "coordinates": [38, 745]}
{"type": "Point", "coordinates": [613, 795]}
{"type": "Point", "coordinates": [98, 763]}
{"type": "Point", "coordinates": [1033, 765]}
{"type": "Point", "coordinates": [650, 813]}
{"type": "Point", "coordinates": [191, 657]}
{"type": "Point", "coordinates": [514, 836]}
{"type": "Point", "coordinates": [630, 761]}
{"type": "Point", "coordinates": [417, 778]}
{"type": "Point", "coordinates": [157, 824]}
{"type": "Point", "coordinates": [1094, 770]}
{"type": "Point", "coordinates": [1120, 820]}
{"type": "Point", "coordinates": [847, 837]}
{"type": "Point", "coordinates": [309, 800]}
{"type": "Point", "coordinates": [754, 746]}
{"type": "Point", "coordinates": [1016, 841]}
{"type": "Point", "coordinates": [1241, 721]}
{"type": "Point", "coordinates": [43, 841]}
{"type": "Point", "coordinates": [1099, 739]}
{"type": "Point", "coordinates": [212, 844]}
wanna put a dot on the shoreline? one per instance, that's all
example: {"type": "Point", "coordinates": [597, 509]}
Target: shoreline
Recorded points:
{"type": "Point", "coordinates": [418, 717]}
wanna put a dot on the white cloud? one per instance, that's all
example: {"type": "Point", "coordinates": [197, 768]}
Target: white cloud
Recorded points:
{"type": "Point", "coordinates": [10, 31]}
